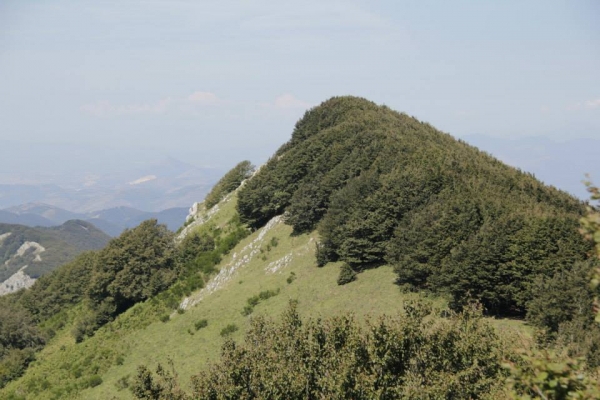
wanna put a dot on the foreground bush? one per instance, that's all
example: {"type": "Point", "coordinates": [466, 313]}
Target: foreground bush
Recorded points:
{"type": "Point", "coordinates": [414, 355]}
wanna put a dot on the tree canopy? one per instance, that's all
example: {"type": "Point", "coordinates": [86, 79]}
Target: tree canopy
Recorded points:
{"type": "Point", "coordinates": [383, 187]}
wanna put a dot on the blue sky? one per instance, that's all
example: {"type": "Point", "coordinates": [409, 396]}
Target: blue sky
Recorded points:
{"type": "Point", "coordinates": [216, 82]}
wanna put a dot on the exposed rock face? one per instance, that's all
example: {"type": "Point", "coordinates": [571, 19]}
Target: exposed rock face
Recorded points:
{"type": "Point", "coordinates": [27, 252]}
{"type": "Point", "coordinates": [25, 247]}
{"type": "Point", "coordinates": [4, 236]}
{"type": "Point", "coordinates": [238, 260]}
{"type": "Point", "coordinates": [193, 211]}
{"type": "Point", "coordinates": [19, 280]}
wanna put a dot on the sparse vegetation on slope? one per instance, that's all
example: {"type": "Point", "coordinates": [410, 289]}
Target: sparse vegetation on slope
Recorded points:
{"type": "Point", "coordinates": [228, 183]}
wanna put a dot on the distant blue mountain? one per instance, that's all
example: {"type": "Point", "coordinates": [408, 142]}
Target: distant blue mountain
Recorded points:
{"type": "Point", "coordinates": [112, 221]}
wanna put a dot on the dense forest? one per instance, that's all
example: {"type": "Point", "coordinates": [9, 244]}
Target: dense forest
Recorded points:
{"type": "Point", "coordinates": [380, 188]}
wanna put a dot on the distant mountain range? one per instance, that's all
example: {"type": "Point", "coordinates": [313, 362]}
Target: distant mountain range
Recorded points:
{"type": "Point", "coordinates": [111, 221]}
{"type": "Point", "coordinates": [149, 185]}
{"type": "Point", "coordinates": [27, 253]}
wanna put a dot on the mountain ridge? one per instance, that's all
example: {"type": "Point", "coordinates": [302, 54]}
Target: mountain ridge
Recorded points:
{"type": "Point", "coordinates": [27, 253]}
{"type": "Point", "coordinates": [112, 221]}
{"type": "Point", "coordinates": [413, 215]}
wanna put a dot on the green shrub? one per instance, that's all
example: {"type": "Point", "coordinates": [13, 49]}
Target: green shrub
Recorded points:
{"type": "Point", "coordinates": [13, 363]}
{"type": "Point", "coordinates": [346, 275]}
{"type": "Point", "coordinates": [291, 278]}
{"type": "Point", "coordinates": [203, 323]}
{"type": "Point", "coordinates": [414, 355]}
{"type": "Point", "coordinates": [165, 318]}
{"type": "Point", "coordinates": [267, 294]}
{"type": "Point", "coordinates": [253, 301]}
{"type": "Point", "coordinates": [93, 381]}
{"type": "Point", "coordinates": [248, 309]}
{"type": "Point", "coordinates": [229, 329]}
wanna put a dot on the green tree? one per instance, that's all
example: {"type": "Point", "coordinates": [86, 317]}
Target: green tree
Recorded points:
{"type": "Point", "coordinates": [136, 265]}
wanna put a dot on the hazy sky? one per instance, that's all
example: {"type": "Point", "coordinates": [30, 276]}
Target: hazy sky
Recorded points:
{"type": "Point", "coordinates": [214, 82]}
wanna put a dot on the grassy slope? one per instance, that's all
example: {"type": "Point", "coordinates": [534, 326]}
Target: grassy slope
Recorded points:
{"type": "Point", "coordinates": [140, 338]}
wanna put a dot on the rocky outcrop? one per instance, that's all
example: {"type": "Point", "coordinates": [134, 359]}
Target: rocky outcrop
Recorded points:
{"type": "Point", "coordinates": [19, 280]}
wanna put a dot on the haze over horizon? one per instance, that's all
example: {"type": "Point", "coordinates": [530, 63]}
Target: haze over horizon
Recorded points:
{"type": "Point", "coordinates": [212, 84]}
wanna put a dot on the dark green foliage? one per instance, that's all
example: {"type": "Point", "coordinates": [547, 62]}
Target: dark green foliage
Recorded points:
{"type": "Point", "coordinates": [255, 300]}
{"type": "Point", "coordinates": [165, 318]}
{"type": "Point", "coordinates": [267, 294]}
{"type": "Point", "coordinates": [19, 338]}
{"type": "Point", "coordinates": [162, 386]}
{"type": "Point", "coordinates": [13, 364]}
{"type": "Point", "coordinates": [17, 330]}
{"type": "Point", "coordinates": [134, 266]}
{"type": "Point", "coordinates": [382, 187]}
{"type": "Point", "coordinates": [347, 274]}
{"type": "Point", "coordinates": [203, 323]}
{"type": "Point", "coordinates": [410, 356]}
{"type": "Point", "coordinates": [93, 381]}
{"type": "Point", "coordinates": [62, 288]}
{"type": "Point", "coordinates": [561, 298]}
{"type": "Point", "coordinates": [228, 183]}
{"type": "Point", "coordinates": [248, 309]}
{"type": "Point", "coordinates": [192, 245]}
{"type": "Point", "coordinates": [291, 278]}
{"type": "Point", "coordinates": [545, 375]}
{"type": "Point", "coordinates": [229, 329]}
{"type": "Point", "coordinates": [323, 255]}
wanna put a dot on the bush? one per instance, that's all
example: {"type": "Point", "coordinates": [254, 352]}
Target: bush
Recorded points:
{"type": "Point", "coordinates": [248, 309]}
{"type": "Point", "coordinates": [347, 274]}
{"type": "Point", "coordinates": [203, 323]}
{"type": "Point", "coordinates": [165, 318]}
{"type": "Point", "coordinates": [413, 355]}
{"type": "Point", "coordinates": [229, 329]}
{"type": "Point", "coordinates": [267, 294]}
{"type": "Point", "coordinates": [93, 381]}
{"type": "Point", "coordinates": [254, 300]}
{"type": "Point", "coordinates": [14, 363]}
{"type": "Point", "coordinates": [291, 278]}
{"type": "Point", "coordinates": [322, 255]}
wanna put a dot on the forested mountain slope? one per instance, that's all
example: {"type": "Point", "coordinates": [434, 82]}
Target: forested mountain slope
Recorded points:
{"type": "Point", "coordinates": [36, 251]}
{"type": "Point", "coordinates": [360, 203]}
{"type": "Point", "coordinates": [384, 188]}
